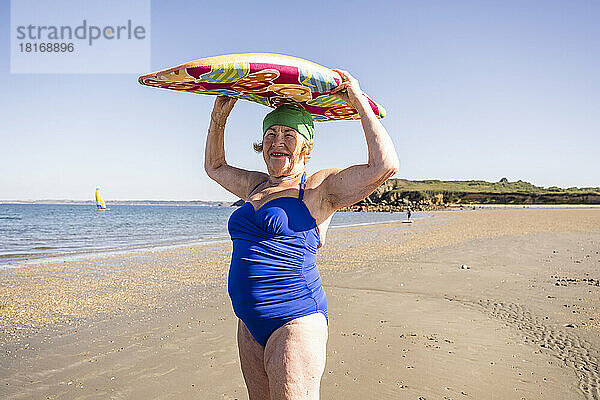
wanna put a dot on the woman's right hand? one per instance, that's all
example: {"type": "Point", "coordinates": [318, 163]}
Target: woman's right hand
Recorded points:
{"type": "Point", "coordinates": [221, 109]}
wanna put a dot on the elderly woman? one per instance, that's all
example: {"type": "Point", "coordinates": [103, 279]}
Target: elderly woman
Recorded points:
{"type": "Point", "coordinates": [274, 284]}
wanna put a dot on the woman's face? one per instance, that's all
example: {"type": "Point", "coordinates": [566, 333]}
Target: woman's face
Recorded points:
{"type": "Point", "coordinates": [282, 150]}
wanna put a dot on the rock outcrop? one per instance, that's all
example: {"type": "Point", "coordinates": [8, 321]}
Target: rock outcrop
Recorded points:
{"type": "Point", "coordinates": [399, 194]}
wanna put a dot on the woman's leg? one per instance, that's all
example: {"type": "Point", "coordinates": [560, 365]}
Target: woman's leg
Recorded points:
{"type": "Point", "coordinates": [294, 358]}
{"type": "Point", "coordinates": [253, 365]}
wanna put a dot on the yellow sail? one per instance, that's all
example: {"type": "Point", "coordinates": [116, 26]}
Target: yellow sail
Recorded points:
{"type": "Point", "coordinates": [99, 202]}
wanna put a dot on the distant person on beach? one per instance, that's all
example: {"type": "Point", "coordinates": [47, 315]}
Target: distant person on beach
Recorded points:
{"type": "Point", "coordinates": [273, 282]}
{"type": "Point", "coordinates": [408, 213]}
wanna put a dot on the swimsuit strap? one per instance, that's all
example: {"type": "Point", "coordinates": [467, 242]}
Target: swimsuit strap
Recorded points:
{"type": "Point", "coordinates": [302, 186]}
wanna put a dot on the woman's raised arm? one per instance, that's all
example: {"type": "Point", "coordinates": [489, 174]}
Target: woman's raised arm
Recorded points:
{"type": "Point", "coordinates": [235, 180]}
{"type": "Point", "coordinates": [344, 187]}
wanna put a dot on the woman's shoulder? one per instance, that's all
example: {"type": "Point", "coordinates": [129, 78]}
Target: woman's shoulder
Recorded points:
{"type": "Point", "coordinates": [315, 180]}
{"type": "Point", "coordinates": [317, 196]}
{"type": "Point", "coordinates": [317, 186]}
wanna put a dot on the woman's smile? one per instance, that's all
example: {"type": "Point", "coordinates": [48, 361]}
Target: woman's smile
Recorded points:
{"type": "Point", "coordinates": [278, 154]}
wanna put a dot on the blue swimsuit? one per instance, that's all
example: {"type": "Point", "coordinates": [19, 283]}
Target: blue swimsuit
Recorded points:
{"type": "Point", "coordinates": [273, 277]}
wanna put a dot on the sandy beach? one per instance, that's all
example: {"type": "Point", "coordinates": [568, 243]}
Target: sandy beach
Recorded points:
{"type": "Point", "coordinates": [472, 304]}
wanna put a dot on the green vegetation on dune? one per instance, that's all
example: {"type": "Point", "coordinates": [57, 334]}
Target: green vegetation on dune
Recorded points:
{"type": "Point", "coordinates": [480, 187]}
{"type": "Point", "coordinates": [398, 194]}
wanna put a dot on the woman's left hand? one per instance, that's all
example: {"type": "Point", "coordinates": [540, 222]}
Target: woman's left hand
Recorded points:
{"type": "Point", "coordinates": [349, 90]}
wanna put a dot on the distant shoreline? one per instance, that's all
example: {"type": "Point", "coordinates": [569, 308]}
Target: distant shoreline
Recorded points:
{"type": "Point", "coordinates": [200, 203]}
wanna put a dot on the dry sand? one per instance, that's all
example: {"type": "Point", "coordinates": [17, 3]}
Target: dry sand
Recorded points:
{"type": "Point", "coordinates": [406, 321]}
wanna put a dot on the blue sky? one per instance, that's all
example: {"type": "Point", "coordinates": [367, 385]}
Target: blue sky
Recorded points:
{"type": "Point", "coordinates": [473, 90]}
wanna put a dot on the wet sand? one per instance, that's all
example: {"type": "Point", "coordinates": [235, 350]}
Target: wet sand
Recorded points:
{"type": "Point", "coordinates": [520, 320]}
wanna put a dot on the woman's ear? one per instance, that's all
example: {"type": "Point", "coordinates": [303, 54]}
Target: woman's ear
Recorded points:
{"type": "Point", "coordinates": [306, 149]}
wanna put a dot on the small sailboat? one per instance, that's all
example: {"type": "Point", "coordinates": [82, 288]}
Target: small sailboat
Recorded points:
{"type": "Point", "coordinates": [101, 206]}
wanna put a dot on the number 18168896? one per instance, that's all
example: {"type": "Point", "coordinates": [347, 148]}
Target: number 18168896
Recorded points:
{"type": "Point", "coordinates": [46, 47]}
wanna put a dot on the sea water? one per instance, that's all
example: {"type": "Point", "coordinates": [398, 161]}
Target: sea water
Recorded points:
{"type": "Point", "coordinates": [30, 232]}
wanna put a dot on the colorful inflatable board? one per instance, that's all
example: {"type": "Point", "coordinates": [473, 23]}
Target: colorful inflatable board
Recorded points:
{"type": "Point", "coordinates": [267, 79]}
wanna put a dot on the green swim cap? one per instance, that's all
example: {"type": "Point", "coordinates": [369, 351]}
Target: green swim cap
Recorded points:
{"type": "Point", "coordinates": [293, 117]}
